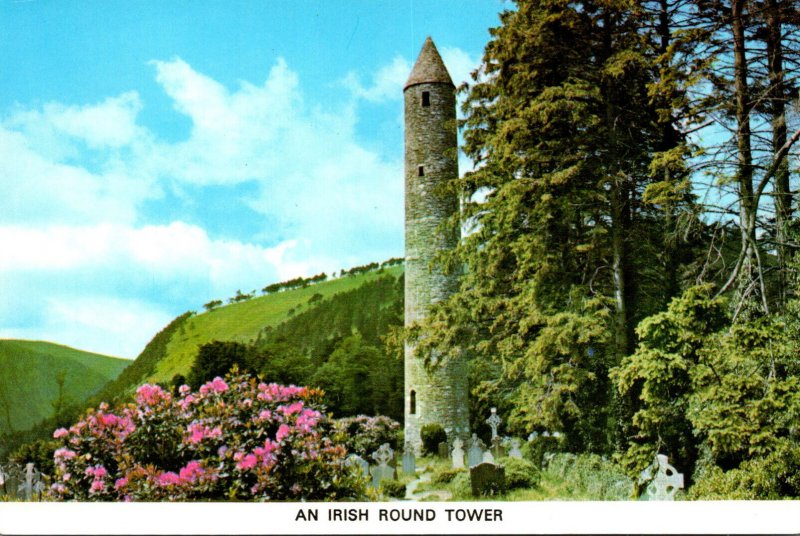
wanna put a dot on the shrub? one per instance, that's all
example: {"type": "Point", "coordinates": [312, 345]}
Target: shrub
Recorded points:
{"type": "Point", "coordinates": [446, 476]}
{"type": "Point", "coordinates": [520, 473]}
{"type": "Point", "coordinates": [589, 476]}
{"type": "Point", "coordinates": [539, 446]}
{"type": "Point", "coordinates": [431, 435]}
{"type": "Point", "coordinates": [394, 488]}
{"type": "Point", "coordinates": [233, 439]}
{"type": "Point", "coordinates": [363, 435]}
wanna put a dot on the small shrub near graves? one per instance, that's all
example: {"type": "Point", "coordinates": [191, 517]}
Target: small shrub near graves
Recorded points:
{"type": "Point", "coordinates": [539, 446]}
{"type": "Point", "coordinates": [431, 435]}
{"type": "Point", "coordinates": [446, 476]}
{"type": "Point", "coordinates": [233, 439]}
{"type": "Point", "coordinates": [520, 473]}
{"type": "Point", "coordinates": [393, 488]}
{"type": "Point", "coordinates": [589, 476]}
{"type": "Point", "coordinates": [363, 435]}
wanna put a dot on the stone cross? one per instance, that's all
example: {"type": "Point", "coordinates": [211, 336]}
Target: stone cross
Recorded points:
{"type": "Point", "coordinates": [665, 483]}
{"type": "Point", "coordinates": [382, 471]}
{"type": "Point", "coordinates": [458, 453]}
{"type": "Point", "coordinates": [494, 421]}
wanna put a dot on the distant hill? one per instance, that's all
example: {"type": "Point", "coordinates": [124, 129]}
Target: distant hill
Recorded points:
{"type": "Point", "coordinates": [30, 372]}
{"type": "Point", "coordinates": [174, 349]}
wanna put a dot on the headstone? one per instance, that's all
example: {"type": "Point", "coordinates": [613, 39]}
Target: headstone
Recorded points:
{"type": "Point", "coordinates": [458, 453]}
{"type": "Point", "coordinates": [515, 452]}
{"type": "Point", "coordinates": [497, 448]}
{"type": "Point", "coordinates": [475, 451]}
{"type": "Point", "coordinates": [487, 479]}
{"type": "Point", "coordinates": [664, 480]}
{"type": "Point", "coordinates": [382, 471]}
{"type": "Point", "coordinates": [409, 461]}
{"type": "Point", "coordinates": [494, 421]}
{"type": "Point", "coordinates": [28, 485]}
{"type": "Point", "coordinates": [487, 457]}
{"type": "Point", "coordinates": [354, 460]}
{"type": "Point", "coordinates": [444, 449]}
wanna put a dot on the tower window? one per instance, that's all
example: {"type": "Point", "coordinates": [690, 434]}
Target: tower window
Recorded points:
{"type": "Point", "coordinates": [421, 171]}
{"type": "Point", "coordinates": [426, 98]}
{"type": "Point", "coordinates": [412, 403]}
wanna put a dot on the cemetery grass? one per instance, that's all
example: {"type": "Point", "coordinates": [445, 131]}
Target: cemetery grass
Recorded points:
{"type": "Point", "coordinates": [582, 477]}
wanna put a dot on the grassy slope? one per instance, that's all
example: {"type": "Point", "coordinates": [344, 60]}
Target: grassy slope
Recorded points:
{"type": "Point", "coordinates": [244, 320]}
{"type": "Point", "coordinates": [28, 384]}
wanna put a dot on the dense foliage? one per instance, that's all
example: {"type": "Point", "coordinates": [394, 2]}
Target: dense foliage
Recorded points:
{"type": "Point", "coordinates": [364, 435]}
{"type": "Point", "coordinates": [630, 283]}
{"type": "Point", "coordinates": [233, 439]}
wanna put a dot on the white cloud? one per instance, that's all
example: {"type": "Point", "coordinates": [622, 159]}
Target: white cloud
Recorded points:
{"type": "Point", "coordinates": [78, 251]}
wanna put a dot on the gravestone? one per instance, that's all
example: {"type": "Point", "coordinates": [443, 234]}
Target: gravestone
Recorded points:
{"type": "Point", "coordinates": [382, 471]}
{"type": "Point", "coordinates": [409, 461]}
{"type": "Point", "coordinates": [494, 421]}
{"type": "Point", "coordinates": [664, 480]}
{"type": "Point", "coordinates": [487, 479]}
{"type": "Point", "coordinates": [354, 460]}
{"type": "Point", "coordinates": [444, 449]}
{"type": "Point", "coordinates": [497, 448]}
{"type": "Point", "coordinates": [515, 452]}
{"type": "Point", "coordinates": [27, 485]}
{"type": "Point", "coordinates": [487, 457]}
{"type": "Point", "coordinates": [475, 451]}
{"type": "Point", "coordinates": [458, 454]}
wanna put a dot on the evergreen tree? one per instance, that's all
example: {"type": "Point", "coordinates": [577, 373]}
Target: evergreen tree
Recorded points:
{"type": "Point", "coordinates": [564, 257]}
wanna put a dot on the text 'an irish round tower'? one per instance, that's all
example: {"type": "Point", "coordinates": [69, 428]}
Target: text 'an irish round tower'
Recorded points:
{"type": "Point", "coordinates": [434, 394]}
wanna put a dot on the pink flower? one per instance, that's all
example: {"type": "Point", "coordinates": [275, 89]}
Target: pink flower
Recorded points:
{"type": "Point", "coordinates": [108, 419]}
{"type": "Point", "coordinates": [58, 488]}
{"type": "Point", "coordinates": [96, 486]}
{"type": "Point", "coordinates": [120, 483]}
{"type": "Point", "coordinates": [168, 479]}
{"type": "Point", "coordinates": [283, 431]}
{"type": "Point", "coordinates": [192, 471]}
{"type": "Point", "coordinates": [184, 389]}
{"type": "Point", "coordinates": [246, 462]}
{"type": "Point", "coordinates": [150, 395]}
{"type": "Point", "coordinates": [66, 477]}
{"type": "Point", "coordinates": [217, 385]}
{"type": "Point", "coordinates": [61, 432]}
{"type": "Point", "coordinates": [292, 408]}
{"type": "Point", "coordinates": [265, 415]}
{"type": "Point", "coordinates": [64, 453]}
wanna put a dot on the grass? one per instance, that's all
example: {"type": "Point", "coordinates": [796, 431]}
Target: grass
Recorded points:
{"type": "Point", "coordinates": [584, 477]}
{"type": "Point", "coordinates": [28, 379]}
{"type": "Point", "coordinates": [243, 321]}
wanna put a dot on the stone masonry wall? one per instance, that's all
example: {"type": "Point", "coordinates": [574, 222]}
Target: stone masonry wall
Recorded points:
{"type": "Point", "coordinates": [430, 142]}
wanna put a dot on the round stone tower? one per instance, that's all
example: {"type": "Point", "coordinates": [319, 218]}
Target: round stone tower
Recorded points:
{"type": "Point", "coordinates": [437, 393]}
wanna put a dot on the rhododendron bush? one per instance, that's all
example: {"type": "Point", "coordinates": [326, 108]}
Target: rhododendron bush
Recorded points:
{"type": "Point", "coordinates": [233, 439]}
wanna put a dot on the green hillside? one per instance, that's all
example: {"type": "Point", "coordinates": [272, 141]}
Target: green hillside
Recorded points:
{"type": "Point", "coordinates": [29, 379]}
{"type": "Point", "coordinates": [173, 350]}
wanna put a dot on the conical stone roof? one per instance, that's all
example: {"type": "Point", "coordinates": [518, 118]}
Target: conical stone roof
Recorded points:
{"type": "Point", "coordinates": [429, 67]}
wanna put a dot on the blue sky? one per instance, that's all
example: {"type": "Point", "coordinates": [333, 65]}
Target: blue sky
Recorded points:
{"type": "Point", "coordinates": [156, 155]}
